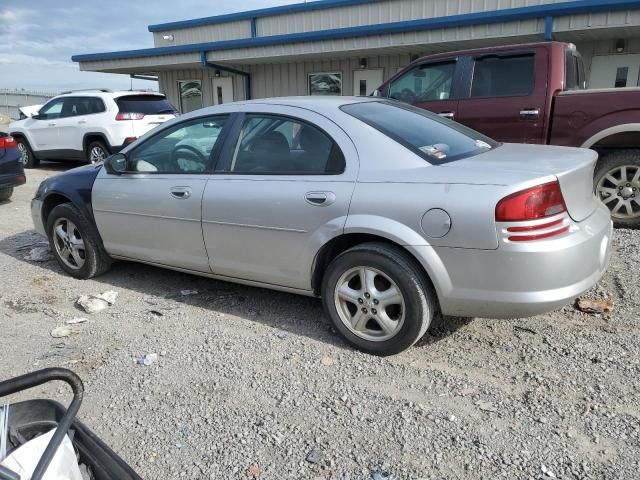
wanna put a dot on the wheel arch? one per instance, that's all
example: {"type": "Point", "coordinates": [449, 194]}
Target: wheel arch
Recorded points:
{"type": "Point", "coordinates": [50, 202]}
{"type": "Point", "coordinates": [432, 268]}
{"type": "Point", "coordinates": [624, 136]}
{"type": "Point", "coordinates": [95, 136]}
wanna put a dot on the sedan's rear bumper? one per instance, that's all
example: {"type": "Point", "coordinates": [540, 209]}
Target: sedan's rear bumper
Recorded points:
{"type": "Point", "coordinates": [12, 180]}
{"type": "Point", "coordinates": [525, 279]}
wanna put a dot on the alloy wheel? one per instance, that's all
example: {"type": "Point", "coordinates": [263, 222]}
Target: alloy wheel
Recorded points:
{"type": "Point", "coordinates": [97, 154]}
{"type": "Point", "coordinates": [68, 243]}
{"type": "Point", "coordinates": [24, 153]}
{"type": "Point", "coordinates": [369, 303]}
{"type": "Point", "coordinates": [619, 189]}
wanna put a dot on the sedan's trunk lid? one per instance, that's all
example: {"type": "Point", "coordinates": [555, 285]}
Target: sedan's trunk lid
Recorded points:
{"type": "Point", "coordinates": [573, 167]}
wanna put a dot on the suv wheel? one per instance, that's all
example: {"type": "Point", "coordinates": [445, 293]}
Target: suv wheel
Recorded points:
{"type": "Point", "coordinates": [26, 154]}
{"type": "Point", "coordinates": [96, 152]}
{"type": "Point", "coordinates": [617, 184]}
{"type": "Point", "coordinates": [75, 243]}
{"type": "Point", "coordinates": [378, 298]}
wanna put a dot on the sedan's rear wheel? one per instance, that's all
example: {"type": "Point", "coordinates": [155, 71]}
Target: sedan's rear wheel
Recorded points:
{"type": "Point", "coordinates": [617, 181]}
{"type": "Point", "coordinates": [378, 298]}
{"type": "Point", "coordinates": [5, 193]}
{"type": "Point", "coordinates": [75, 243]}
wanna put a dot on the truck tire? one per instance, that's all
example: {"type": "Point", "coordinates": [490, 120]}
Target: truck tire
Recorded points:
{"type": "Point", "coordinates": [29, 160]}
{"type": "Point", "coordinates": [5, 194]}
{"type": "Point", "coordinates": [617, 185]}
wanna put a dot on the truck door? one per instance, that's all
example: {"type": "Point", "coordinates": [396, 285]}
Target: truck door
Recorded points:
{"type": "Point", "coordinates": [507, 95]}
{"type": "Point", "coordinates": [431, 86]}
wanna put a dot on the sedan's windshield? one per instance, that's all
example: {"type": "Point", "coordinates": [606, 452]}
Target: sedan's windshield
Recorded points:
{"type": "Point", "coordinates": [436, 139]}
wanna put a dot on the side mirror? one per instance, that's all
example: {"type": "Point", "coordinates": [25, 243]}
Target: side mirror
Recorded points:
{"type": "Point", "coordinates": [37, 116]}
{"type": "Point", "coordinates": [116, 164]}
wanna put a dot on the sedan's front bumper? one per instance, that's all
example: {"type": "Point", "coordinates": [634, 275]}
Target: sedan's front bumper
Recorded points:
{"type": "Point", "coordinates": [516, 281]}
{"type": "Point", "coordinates": [36, 215]}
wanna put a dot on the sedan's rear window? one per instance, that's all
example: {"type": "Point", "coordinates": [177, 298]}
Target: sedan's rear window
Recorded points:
{"type": "Point", "coordinates": [436, 139]}
{"type": "Point", "coordinates": [147, 104]}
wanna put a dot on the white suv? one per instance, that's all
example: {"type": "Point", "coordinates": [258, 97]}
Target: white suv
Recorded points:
{"type": "Point", "coordinates": [88, 124]}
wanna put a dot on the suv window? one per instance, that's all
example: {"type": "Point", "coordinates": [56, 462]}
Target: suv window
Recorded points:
{"type": "Point", "coordinates": [424, 133]}
{"type": "Point", "coordinates": [183, 148]}
{"type": "Point", "coordinates": [74, 106]}
{"type": "Point", "coordinates": [425, 83]}
{"type": "Point", "coordinates": [499, 76]}
{"type": "Point", "coordinates": [145, 104]}
{"type": "Point", "coordinates": [53, 109]}
{"type": "Point", "coordinates": [284, 146]}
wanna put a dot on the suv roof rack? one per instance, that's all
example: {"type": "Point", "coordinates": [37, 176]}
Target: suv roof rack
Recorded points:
{"type": "Point", "coordinates": [106, 90]}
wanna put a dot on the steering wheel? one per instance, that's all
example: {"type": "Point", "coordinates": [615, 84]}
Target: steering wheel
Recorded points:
{"type": "Point", "coordinates": [407, 96]}
{"type": "Point", "coordinates": [190, 151]}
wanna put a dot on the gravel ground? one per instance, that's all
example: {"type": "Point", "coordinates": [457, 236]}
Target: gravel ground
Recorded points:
{"type": "Point", "coordinates": [251, 383]}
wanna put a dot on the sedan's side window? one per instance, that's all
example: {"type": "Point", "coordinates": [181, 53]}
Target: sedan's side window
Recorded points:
{"type": "Point", "coordinates": [425, 83]}
{"type": "Point", "coordinates": [183, 148]}
{"type": "Point", "coordinates": [274, 145]}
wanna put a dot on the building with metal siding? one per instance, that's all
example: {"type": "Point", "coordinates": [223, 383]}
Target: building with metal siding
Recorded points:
{"type": "Point", "coordinates": [350, 46]}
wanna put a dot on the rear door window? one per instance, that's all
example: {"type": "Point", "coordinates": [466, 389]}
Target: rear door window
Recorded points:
{"type": "Point", "coordinates": [503, 76]}
{"type": "Point", "coordinates": [145, 104]}
{"type": "Point", "coordinates": [433, 138]}
{"type": "Point", "coordinates": [425, 83]}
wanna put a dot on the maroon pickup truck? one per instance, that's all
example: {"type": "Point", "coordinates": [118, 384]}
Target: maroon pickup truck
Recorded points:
{"type": "Point", "coordinates": [535, 93]}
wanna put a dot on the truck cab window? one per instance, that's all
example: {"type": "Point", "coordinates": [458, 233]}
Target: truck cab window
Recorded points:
{"type": "Point", "coordinates": [500, 76]}
{"type": "Point", "coordinates": [425, 83]}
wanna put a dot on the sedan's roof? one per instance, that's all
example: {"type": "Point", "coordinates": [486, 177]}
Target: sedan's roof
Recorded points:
{"type": "Point", "coordinates": [315, 103]}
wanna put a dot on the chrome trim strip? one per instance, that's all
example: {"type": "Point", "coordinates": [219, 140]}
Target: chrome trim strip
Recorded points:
{"type": "Point", "coordinates": [262, 227]}
{"type": "Point", "coordinates": [135, 214]}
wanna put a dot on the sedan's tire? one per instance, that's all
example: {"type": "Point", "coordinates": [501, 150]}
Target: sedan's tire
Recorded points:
{"type": "Point", "coordinates": [617, 184]}
{"type": "Point", "coordinates": [96, 151]}
{"type": "Point", "coordinates": [29, 160]}
{"type": "Point", "coordinates": [5, 194]}
{"type": "Point", "coordinates": [378, 298]}
{"type": "Point", "coordinates": [75, 243]}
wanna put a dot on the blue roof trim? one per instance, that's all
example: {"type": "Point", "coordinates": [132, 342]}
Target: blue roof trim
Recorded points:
{"type": "Point", "coordinates": [262, 12]}
{"type": "Point", "coordinates": [506, 15]}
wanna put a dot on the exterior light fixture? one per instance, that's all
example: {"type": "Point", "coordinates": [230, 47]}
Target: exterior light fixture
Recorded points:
{"type": "Point", "coordinates": [168, 38]}
{"type": "Point", "coordinates": [363, 63]}
{"type": "Point", "coordinates": [216, 73]}
{"type": "Point", "coordinates": [620, 45]}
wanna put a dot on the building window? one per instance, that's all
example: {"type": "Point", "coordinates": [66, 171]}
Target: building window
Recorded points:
{"type": "Point", "coordinates": [503, 76]}
{"type": "Point", "coordinates": [325, 83]}
{"type": "Point", "coordinates": [190, 95]}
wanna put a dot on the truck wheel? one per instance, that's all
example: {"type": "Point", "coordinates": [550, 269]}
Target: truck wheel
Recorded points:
{"type": "Point", "coordinates": [96, 152]}
{"type": "Point", "coordinates": [26, 154]}
{"type": "Point", "coordinates": [617, 185]}
{"type": "Point", "coordinates": [5, 194]}
{"type": "Point", "coordinates": [378, 298]}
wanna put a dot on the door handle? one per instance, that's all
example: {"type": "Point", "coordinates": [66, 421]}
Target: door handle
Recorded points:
{"type": "Point", "coordinates": [81, 122]}
{"type": "Point", "coordinates": [52, 124]}
{"type": "Point", "coordinates": [320, 199]}
{"type": "Point", "coordinates": [449, 115]}
{"type": "Point", "coordinates": [530, 112]}
{"type": "Point", "coordinates": [180, 193]}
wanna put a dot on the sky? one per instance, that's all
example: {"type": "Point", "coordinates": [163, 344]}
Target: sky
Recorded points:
{"type": "Point", "coordinates": [38, 37]}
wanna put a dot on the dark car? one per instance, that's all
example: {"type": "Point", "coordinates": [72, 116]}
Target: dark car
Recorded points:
{"type": "Point", "coordinates": [11, 171]}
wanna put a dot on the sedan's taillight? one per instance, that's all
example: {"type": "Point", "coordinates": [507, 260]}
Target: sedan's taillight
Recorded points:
{"type": "Point", "coordinates": [129, 116]}
{"type": "Point", "coordinates": [533, 205]}
{"type": "Point", "coordinates": [8, 142]}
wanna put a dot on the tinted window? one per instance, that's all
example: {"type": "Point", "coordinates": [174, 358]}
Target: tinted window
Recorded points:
{"type": "Point", "coordinates": [503, 76]}
{"type": "Point", "coordinates": [424, 83]}
{"type": "Point", "coordinates": [424, 133]}
{"type": "Point", "coordinates": [279, 145]}
{"type": "Point", "coordinates": [147, 104]}
{"type": "Point", "coordinates": [183, 148]}
{"type": "Point", "coordinates": [74, 106]}
{"type": "Point", "coordinates": [53, 109]}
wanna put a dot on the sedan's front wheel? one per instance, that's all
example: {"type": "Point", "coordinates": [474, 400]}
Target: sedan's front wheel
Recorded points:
{"type": "Point", "coordinates": [75, 243]}
{"type": "Point", "coordinates": [378, 298]}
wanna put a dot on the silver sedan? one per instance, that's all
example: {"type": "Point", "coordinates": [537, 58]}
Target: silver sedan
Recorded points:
{"type": "Point", "coordinates": [387, 212]}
